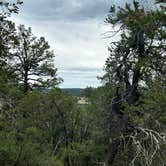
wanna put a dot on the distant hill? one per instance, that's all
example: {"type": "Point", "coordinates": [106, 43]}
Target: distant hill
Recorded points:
{"type": "Point", "coordinates": [73, 91]}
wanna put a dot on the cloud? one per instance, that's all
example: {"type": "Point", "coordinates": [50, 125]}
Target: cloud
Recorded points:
{"type": "Point", "coordinates": [69, 10]}
{"type": "Point", "coordinates": [74, 30]}
{"type": "Point", "coordinates": [64, 9]}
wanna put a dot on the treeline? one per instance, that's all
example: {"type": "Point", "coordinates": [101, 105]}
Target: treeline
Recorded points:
{"type": "Point", "coordinates": [74, 91]}
{"type": "Point", "coordinates": [124, 122]}
{"type": "Point", "coordinates": [39, 123]}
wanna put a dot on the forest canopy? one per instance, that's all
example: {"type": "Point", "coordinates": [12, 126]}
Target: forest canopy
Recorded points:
{"type": "Point", "coordinates": [121, 123]}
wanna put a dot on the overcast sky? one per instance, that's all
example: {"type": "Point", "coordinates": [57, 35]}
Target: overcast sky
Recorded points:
{"type": "Point", "coordinates": [74, 30]}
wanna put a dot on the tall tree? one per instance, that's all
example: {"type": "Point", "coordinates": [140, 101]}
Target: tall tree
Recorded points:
{"type": "Point", "coordinates": [7, 39]}
{"type": "Point", "coordinates": [137, 59]}
{"type": "Point", "coordinates": [33, 62]}
{"type": "Point", "coordinates": [6, 26]}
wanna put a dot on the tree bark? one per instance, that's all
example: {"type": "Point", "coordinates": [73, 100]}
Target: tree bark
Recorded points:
{"type": "Point", "coordinates": [26, 85]}
{"type": "Point", "coordinates": [132, 98]}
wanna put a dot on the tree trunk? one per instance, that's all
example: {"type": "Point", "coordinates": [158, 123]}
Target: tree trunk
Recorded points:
{"type": "Point", "coordinates": [26, 85]}
{"type": "Point", "coordinates": [113, 151]}
{"type": "Point", "coordinates": [124, 126]}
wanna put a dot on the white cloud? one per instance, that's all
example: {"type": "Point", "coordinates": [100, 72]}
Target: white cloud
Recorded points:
{"type": "Point", "coordinates": [79, 46]}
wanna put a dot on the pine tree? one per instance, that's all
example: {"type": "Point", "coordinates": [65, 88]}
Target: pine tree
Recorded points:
{"type": "Point", "coordinates": [33, 62]}
{"type": "Point", "coordinates": [134, 62]}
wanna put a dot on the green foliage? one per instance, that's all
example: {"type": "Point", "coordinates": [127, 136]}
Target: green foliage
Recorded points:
{"type": "Point", "coordinates": [87, 92]}
{"type": "Point", "coordinates": [135, 63]}
{"type": "Point", "coordinates": [32, 61]}
{"type": "Point", "coordinates": [9, 7]}
{"type": "Point", "coordinates": [50, 127]}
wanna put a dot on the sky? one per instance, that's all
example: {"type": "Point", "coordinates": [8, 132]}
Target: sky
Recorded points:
{"type": "Point", "coordinates": [75, 31]}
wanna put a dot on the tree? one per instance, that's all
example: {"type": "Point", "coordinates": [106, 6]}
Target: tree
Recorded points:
{"type": "Point", "coordinates": [87, 92]}
{"type": "Point", "coordinates": [7, 27]}
{"type": "Point", "coordinates": [7, 7]}
{"type": "Point", "coordinates": [33, 62]}
{"type": "Point", "coordinates": [134, 62]}
{"type": "Point", "coordinates": [52, 126]}
{"type": "Point", "coordinates": [7, 39]}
